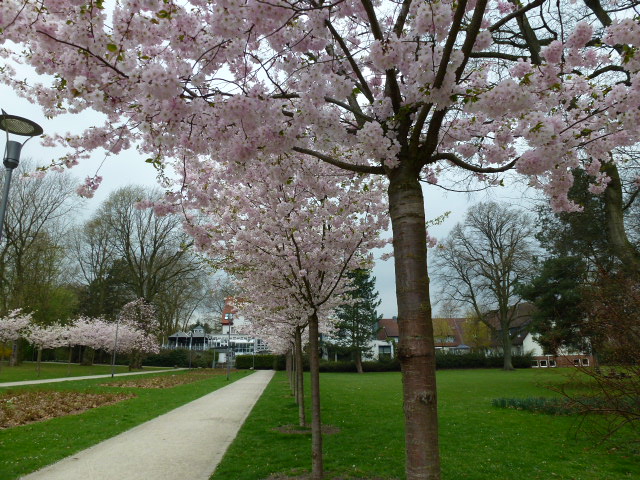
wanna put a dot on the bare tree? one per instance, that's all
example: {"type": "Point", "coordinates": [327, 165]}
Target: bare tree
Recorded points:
{"type": "Point", "coordinates": [129, 252]}
{"type": "Point", "coordinates": [32, 251]}
{"type": "Point", "coordinates": [483, 259]}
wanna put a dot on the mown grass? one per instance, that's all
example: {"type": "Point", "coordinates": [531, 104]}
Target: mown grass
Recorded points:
{"type": "Point", "coordinates": [478, 441]}
{"type": "Point", "coordinates": [28, 371]}
{"type": "Point", "coordinates": [30, 447]}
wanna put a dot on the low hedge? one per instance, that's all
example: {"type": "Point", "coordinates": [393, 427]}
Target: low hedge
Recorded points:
{"type": "Point", "coordinates": [180, 358]}
{"type": "Point", "coordinates": [262, 362]}
{"type": "Point", "coordinates": [443, 361]}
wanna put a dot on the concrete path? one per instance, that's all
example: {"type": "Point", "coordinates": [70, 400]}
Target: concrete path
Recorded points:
{"type": "Point", "coordinates": [86, 377]}
{"type": "Point", "coordinates": [184, 444]}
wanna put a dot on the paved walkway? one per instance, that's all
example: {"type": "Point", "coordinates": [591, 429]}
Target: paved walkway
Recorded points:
{"type": "Point", "coordinates": [86, 377]}
{"type": "Point", "coordinates": [184, 444]}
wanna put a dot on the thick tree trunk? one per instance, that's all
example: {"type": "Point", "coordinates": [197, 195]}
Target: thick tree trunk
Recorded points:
{"type": "Point", "coordinates": [317, 469]}
{"type": "Point", "coordinates": [358, 360]}
{"type": "Point", "coordinates": [506, 348]}
{"type": "Point", "coordinates": [416, 349]}
{"type": "Point", "coordinates": [621, 247]}
{"type": "Point", "coordinates": [302, 418]}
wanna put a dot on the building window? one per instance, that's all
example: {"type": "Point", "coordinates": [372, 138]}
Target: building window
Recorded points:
{"type": "Point", "coordinates": [576, 362]}
{"type": "Point", "coordinates": [228, 316]}
{"type": "Point", "coordinates": [543, 363]}
{"type": "Point", "coordinates": [552, 363]}
{"type": "Point", "coordinates": [534, 364]}
{"type": "Point", "coordinates": [585, 362]}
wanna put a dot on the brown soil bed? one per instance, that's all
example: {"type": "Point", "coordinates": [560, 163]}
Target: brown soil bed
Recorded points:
{"type": "Point", "coordinates": [21, 408]}
{"type": "Point", "coordinates": [163, 381]}
{"type": "Point", "coordinates": [297, 429]}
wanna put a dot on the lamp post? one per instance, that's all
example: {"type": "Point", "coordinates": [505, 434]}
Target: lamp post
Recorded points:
{"type": "Point", "coordinates": [16, 126]}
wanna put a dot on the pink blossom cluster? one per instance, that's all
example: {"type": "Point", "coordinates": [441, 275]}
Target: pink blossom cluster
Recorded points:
{"type": "Point", "coordinates": [95, 333]}
{"type": "Point", "coordinates": [14, 325]}
{"type": "Point", "coordinates": [89, 187]}
{"type": "Point", "coordinates": [288, 230]}
{"type": "Point", "coordinates": [230, 81]}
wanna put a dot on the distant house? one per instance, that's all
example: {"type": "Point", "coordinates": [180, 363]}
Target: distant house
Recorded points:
{"type": "Point", "coordinates": [524, 342]}
{"type": "Point", "coordinates": [229, 341]}
{"type": "Point", "coordinates": [448, 335]}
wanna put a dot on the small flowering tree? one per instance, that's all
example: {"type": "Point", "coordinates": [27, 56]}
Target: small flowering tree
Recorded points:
{"type": "Point", "coordinates": [14, 326]}
{"type": "Point", "coordinates": [140, 324]}
{"type": "Point", "coordinates": [289, 230]}
{"type": "Point", "coordinates": [44, 337]}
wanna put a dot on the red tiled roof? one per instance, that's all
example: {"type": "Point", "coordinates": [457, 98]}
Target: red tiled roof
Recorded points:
{"type": "Point", "coordinates": [388, 328]}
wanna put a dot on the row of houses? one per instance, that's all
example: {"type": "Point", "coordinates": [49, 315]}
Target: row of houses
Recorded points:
{"type": "Point", "coordinates": [451, 335]}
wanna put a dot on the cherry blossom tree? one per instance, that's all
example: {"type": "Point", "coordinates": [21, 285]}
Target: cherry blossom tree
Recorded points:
{"type": "Point", "coordinates": [405, 90]}
{"type": "Point", "coordinates": [14, 326]}
{"type": "Point", "coordinates": [46, 336]}
{"type": "Point", "coordinates": [289, 230]}
{"type": "Point", "coordinates": [140, 324]}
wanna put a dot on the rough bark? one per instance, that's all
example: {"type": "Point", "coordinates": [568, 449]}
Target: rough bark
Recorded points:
{"type": "Point", "coordinates": [302, 418]}
{"type": "Point", "coordinates": [621, 247]}
{"type": "Point", "coordinates": [317, 469]}
{"type": "Point", "coordinates": [416, 349]}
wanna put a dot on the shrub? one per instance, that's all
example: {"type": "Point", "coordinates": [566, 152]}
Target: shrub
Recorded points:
{"type": "Point", "coordinates": [180, 358]}
{"type": "Point", "coordinates": [552, 406]}
{"type": "Point", "coordinates": [262, 362]}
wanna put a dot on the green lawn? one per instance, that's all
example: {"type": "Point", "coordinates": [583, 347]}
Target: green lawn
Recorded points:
{"type": "Point", "coordinates": [478, 441]}
{"type": "Point", "coordinates": [30, 447]}
{"type": "Point", "coordinates": [27, 371]}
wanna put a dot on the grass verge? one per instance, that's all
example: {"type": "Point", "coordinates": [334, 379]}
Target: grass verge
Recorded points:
{"type": "Point", "coordinates": [478, 441]}
{"type": "Point", "coordinates": [27, 371]}
{"type": "Point", "coordinates": [31, 447]}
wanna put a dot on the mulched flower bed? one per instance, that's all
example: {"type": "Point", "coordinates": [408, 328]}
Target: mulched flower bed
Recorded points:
{"type": "Point", "coordinates": [21, 408]}
{"type": "Point", "coordinates": [163, 381]}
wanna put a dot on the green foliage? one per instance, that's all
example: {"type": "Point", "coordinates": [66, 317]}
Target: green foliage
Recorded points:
{"type": "Point", "coordinates": [358, 318]}
{"type": "Point", "coordinates": [577, 234]}
{"type": "Point", "coordinates": [180, 358]}
{"type": "Point", "coordinates": [556, 292]}
{"type": "Point", "coordinates": [262, 362]}
{"type": "Point", "coordinates": [552, 406]}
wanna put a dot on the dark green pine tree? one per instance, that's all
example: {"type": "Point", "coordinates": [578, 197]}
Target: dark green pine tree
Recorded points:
{"type": "Point", "coordinates": [559, 317]}
{"type": "Point", "coordinates": [358, 319]}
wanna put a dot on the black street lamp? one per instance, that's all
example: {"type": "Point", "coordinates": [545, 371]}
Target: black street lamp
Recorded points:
{"type": "Point", "coordinates": [16, 126]}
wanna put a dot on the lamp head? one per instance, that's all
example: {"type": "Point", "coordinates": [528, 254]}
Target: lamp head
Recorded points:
{"type": "Point", "coordinates": [19, 125]}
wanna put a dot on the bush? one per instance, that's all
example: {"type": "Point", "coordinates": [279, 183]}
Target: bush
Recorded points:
{"type": "Point", "coordinates": [180, 358]}
{"type": "Point", "coordinates": [262, 362]}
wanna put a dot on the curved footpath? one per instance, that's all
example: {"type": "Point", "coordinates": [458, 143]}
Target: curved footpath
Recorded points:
{"type": "Point", "coordinates": [185, 443]}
